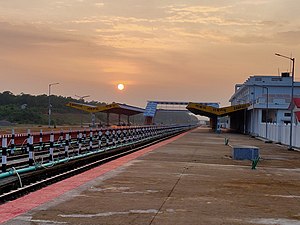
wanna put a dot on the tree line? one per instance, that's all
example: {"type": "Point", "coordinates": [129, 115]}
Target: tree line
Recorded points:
{"type": "Point", "coordinates": [33, 109]}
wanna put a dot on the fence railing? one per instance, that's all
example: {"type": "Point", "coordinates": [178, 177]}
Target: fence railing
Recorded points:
{"type": "Point", "coordinates": [56, 147]}
{"type": "Point", "coordinates": [280, 133]}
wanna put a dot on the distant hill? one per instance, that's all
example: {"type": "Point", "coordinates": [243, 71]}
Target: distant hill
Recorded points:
{"type": "Point", "coordinates": [30, 109]}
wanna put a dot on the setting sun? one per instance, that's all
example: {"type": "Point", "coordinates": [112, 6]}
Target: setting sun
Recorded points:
{"type": "Point", "coordinates": [121, 87]}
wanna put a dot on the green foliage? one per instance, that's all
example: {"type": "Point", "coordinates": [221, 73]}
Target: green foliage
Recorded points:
{"type": "Point", "coordinates": [29, 109]}
{"type": "Point", "coordinates": [15, 114]}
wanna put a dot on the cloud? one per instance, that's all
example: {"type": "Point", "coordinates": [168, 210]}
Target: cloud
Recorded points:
{"type": "Point", "coordinates": [29, 49]}
{"type": "Point", "coordinates": [199, 9]}
{"type": "Point", "coordinates": [255, 3]}
{"type": "Point", "coordinates": [161, 48]}
{"type": "Point", "coordinates": [194, 14]}
{"type": "Point", "coordinates": [288, 37]}
{"type": "Point", "coordinates": [133, 42]}
{"type": "Point", "coordinates": [117, 66]}
{"type": "Point", "coordinates": [27, 36]}
{"type": "Point", "coordinates": [250, 39]}
{"type": "Point", "coordinates": [99, 4]}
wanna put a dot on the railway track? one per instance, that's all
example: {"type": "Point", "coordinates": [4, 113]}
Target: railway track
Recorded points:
{"type": "Point", "coordinates": [18, 182]}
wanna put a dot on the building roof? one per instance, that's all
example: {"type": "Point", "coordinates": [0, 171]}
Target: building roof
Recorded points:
{"type": "Point", "coordinates": [298, 115]}
{"type": "Point", "coordinates": [263, 81]}
{"type": "Point", "coordinates": [123, 109]}
{"type": "Point", "coordinates": [297, 102]}
{"type": "Point", "coordinates": [296, 105]}
{"type": "Point", "coordinates": [116, 108]}
{"type": "Point", "coordinates": [153, 106]}
{"type": "Point", "coordinates": [210, 111]}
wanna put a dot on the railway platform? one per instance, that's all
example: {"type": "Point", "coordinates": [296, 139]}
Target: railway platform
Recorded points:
{"type": "Point", "coordinates": [187, 180]}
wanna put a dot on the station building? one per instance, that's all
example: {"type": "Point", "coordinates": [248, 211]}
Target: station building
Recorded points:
{"type": "Point", "coordinates": [269, 98]}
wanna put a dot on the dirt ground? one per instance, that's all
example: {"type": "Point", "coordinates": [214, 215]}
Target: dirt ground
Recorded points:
{"type": "Point", "coordinates": [190, 181]}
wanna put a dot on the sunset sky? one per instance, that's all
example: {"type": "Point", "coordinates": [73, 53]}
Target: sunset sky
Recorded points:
{"type": "Point", "coordinates": [192, 50]}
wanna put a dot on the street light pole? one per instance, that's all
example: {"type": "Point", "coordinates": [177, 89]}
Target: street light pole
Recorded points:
{"type": "Point", "coordinates": [49, 105]}
{"type": "Point", "coordinates": [82, 99]}
{"type": "Point", "coordinates": [292, 98]}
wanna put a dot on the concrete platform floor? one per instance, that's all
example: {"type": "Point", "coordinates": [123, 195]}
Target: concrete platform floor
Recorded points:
{"type": "Point", "coordinates": [189, 181]}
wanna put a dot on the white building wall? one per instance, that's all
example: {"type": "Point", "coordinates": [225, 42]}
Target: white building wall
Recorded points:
{"type": "Point", "coordinates": [256, 90]}
{"type": "Point", "coordinates": [297, 136]}
{"type": "Point", "coordinates": [280, 133]}
{"type": "Point", "coordinates": [257, 121]}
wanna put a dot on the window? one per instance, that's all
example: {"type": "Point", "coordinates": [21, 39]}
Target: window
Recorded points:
{"type": "Point", "coordinates": [287, 114]}
{"type": "Point", "coordinates": [277, 79]}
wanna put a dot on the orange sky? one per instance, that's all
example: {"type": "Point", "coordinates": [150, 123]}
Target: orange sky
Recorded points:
{"type": "Point", "coordinates": [160, 49]}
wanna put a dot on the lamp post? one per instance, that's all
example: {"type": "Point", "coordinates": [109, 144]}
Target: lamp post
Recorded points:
{"type": "Point", "coordinates": [82, 99]}
{"type": "Point", "coordinates": [292, 97]}
{"type": "Point", "coordinates": [49, 105]}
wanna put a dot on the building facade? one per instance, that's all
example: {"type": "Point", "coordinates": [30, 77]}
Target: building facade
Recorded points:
{"type": "Point", "coordinates": [270, 98]}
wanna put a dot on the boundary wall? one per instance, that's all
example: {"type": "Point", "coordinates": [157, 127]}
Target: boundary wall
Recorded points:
{"type": "Point", "coordinates": [280, 133]}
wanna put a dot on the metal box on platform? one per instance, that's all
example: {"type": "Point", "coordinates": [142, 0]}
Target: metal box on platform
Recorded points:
{"type": "Point", "coordinates": [242, 152]}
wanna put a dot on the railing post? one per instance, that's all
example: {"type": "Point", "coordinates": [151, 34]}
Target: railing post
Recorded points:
{"type": "Point", "coordinates": [41, 140]}
{"type": "Point", "coordinates": [31, 150]}
{"type": "Point", "coordinates": [28, 140]}
{"type": "Point", "coordinates": [122, 136]}
{"type": "Point", "coordinates": [125, 136]}
{"type": "Point", "coordinates": [107, 137]}
{"type": "Point", "coordinates": [84, 136]}
{"type": "Point", "coordinates": [77, 137]}
{"type": "Point", "coordinates": [61, 138]}
{"type": "Point", "coordinates": [51, 149]}
{"type": "Point", "coordinates": [79, 143]}
{"type": "Point", "coordinates": [114, 137]}
{"type": "Point", "coordinates": [12, 143]}
{"type": "Point", "coordinates": [118, 136]}
{"type": "Point", "coordinates": [67, 144]}
{"type": "Point", "coordinates": [4, 154]}
{"type": "Point", "coordinates": [91, 140]}
{"type": "Point", "coordinates": [70, 137]}
{"type": "Point", "coordinates": [130, 134]}
{"type": "Point", "coordinates": [99, 138]}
